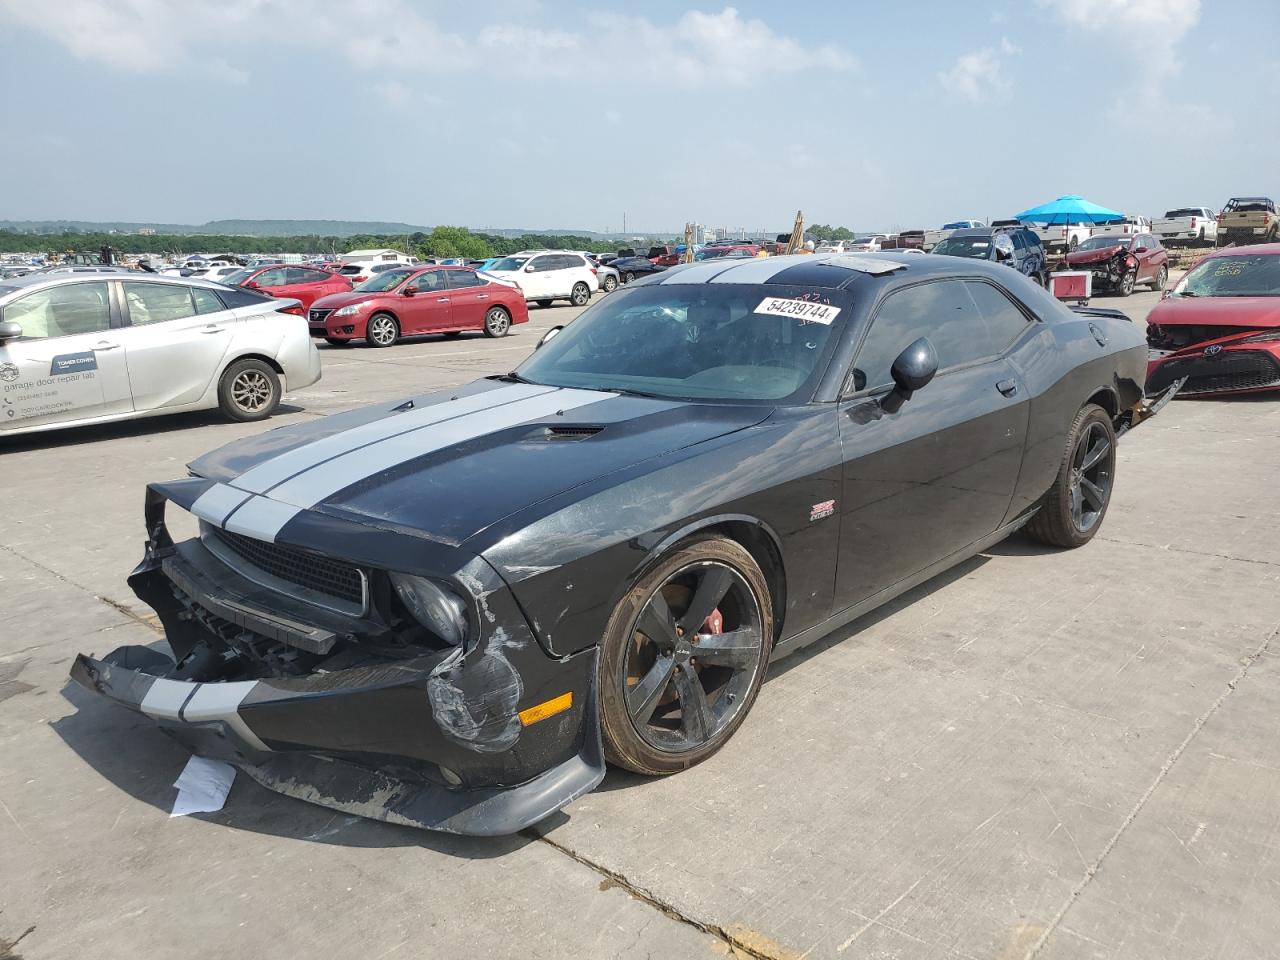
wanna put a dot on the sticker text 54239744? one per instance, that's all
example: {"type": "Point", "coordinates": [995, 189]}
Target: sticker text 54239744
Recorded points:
{"type": "Point", "coordinates": [806, 311]}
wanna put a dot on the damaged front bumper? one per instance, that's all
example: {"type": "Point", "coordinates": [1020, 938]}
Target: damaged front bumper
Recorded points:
{"type": "Point", "coordinates": [451, 739]}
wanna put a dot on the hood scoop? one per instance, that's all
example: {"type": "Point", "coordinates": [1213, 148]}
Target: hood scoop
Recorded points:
{"type": "Point", "coordinates": [562, 433]}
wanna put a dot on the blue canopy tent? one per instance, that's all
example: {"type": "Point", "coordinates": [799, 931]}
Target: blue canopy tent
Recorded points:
{"type": "Point", "coordinates": [1067, 210]}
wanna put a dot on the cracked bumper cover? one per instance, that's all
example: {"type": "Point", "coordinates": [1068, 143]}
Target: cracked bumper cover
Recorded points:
{"type": "Point", "coordinates": [420, 741]}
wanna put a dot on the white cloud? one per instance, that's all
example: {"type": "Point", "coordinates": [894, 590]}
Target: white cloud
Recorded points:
{"type": "Point", "coordinates": [151, 36]}
{"type": "Point", "coordinates": [1149, 31]}
{"type": "Point", "coordinates": [979, 76]}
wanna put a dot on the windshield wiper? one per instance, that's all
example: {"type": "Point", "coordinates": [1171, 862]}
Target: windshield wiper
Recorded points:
{"type": "Point", "coordinates": [512, 377]}
{"type": "Point", "coordinates": [627, 391]}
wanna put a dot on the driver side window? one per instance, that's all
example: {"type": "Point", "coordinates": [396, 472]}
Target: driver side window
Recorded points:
{"type": "Point", "coordinates": [542, 263]}
{"type": "Point", "coordinates": [62, 311]}
{"type": "Point", "coordinates": [943, 311]}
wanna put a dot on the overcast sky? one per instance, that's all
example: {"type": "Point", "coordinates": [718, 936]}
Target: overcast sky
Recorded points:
{"type": "Point", "coordinates": [523, 114]}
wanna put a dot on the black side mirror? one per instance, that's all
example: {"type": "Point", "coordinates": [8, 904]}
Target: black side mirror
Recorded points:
{"type": "Point", "coordinates": [408, 291]}
{"type": "Point", "coordinates": [912, 371]}
{"type": "Point", "coordinates": [10, 331]}
{"type": "Point", "coordinates": [548, 335]}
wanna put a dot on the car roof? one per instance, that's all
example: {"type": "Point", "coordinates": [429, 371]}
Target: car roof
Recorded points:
{"type": "Point", "coordinates": [1253, 250]}
{"type": "Point", "coordinates": [33, 280]}
{"type": "Point", "coordinates": [834, 270]}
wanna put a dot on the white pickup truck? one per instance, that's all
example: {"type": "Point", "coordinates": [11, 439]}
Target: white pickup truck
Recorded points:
{"type": "Point", "coordinates": [934, 237]}
{"type": "Point", "coordinates": [1187, 225]}
{"type": "Point", "coordinates": [1128, 227]}
{"type": "Point", "coordinates": [1060, 236]}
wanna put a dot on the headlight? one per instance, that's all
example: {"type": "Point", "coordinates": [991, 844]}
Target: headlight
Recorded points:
{"type": "Point", "coordinates": [350, 311]}
{"type": "Point", "coordinates": [435, 607]}
{"type": "Point", "coordinates": [1265, 337]}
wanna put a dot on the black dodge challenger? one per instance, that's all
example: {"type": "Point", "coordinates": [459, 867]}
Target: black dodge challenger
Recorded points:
{"type": "Point", "coordinates": [451, 611]}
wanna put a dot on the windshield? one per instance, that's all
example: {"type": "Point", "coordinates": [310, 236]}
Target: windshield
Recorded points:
{"type": "Point", "coordinates": [1101, 243]}
{"type": "Point", "coordinates": [958, 225]}
{"type": "Point", "coordinates": [978, 248]}
{"type": "Point", "coordinates": [382, 282]}
{"type": "Point", "coordinates": [510, 264]}
{"type": "Point", "coordinates": [698, 341]}
{"type": "Point", "coordinates": [710, 253]}
{"type": "Point", "coordinates": [1257, 276]}
{"type": "Point", "coordinates": [238, 277]}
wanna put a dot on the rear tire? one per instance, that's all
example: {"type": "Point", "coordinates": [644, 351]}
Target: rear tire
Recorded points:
{"type": "Point", "coordinates": [497, 322]}
{"type": "Point", "coordinates": [1075, 506]}
{"type": "Point", "coordinates": [249, 390]}
{"type": "Point", "coordinates": [580, 295]}
{"type": "Point", "coordinates": [1161, 278]}
{"type": "Point", "coordinates": [628, 277]}
{"type": "Point", "coordinates": [675, 665]}
{"type": "Point", "coordinates": [382, 330]}
{"type": "Point", "coordinates": [610, 284]}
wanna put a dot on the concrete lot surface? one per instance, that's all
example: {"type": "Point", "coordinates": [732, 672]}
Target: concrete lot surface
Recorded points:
{"type": "Point", "coordinates": [1041, 753]}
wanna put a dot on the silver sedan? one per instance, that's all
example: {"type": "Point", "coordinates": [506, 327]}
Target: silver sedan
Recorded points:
{"type": "Point", "coordinates": [83, 348]}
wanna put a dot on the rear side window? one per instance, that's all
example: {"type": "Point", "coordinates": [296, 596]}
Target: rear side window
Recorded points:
{"type": "Point", "coordinates": [1005, 322]}
{"type": "Point", "coordinates": [302, 275]}
{"type": "Point", "coordinates": [158, 302]}
{"type": "Point", "coordinates": [241, 297]}
{"type": "Point", "coordinates": [943, 311]}
{"type": "Point", "coordinates": [463, 278]}
{"type": "Point", "coordinates": [206, 300]}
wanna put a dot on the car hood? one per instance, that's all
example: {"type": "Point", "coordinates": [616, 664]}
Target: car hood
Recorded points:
{"type": "Point", "coordinates": [1217, 312]}
{"type": "Point", "coordinates": [345, 299]}
{"type": "Point", "coordinates": [449, 465]}
{"type": "Point", "coordinates": [1093, 256]}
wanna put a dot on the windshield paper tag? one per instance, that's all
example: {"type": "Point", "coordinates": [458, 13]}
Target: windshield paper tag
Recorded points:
{"type": "Point", "coordinates": [805, 311]}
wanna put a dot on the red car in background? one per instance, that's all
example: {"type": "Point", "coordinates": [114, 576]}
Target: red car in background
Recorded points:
{"type": "Point", "coordinates": [306, 284]}
{"type": "Point", "coordinates": [1119, 263]}
{"type": "Point", "coordinates": [414, 300]}
{"type": "Point", "coordinates": [1220, 326]}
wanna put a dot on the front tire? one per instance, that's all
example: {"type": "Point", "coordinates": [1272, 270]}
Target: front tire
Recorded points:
{"type": "Point", "coordinates": [1126, 283]}
{"type": "Point", "coordinates": [249, 390]}
{"type": "Point", "coordinates": [382, 330]}
{"type": "Point", "coordinates": [580, 295]}
{"type": "Point", "coordinates": [544, 303]}
{"type": "Point", "coordinates": [497, 322]}
{"type": "Point", "coordinates": [1073, 509]}
{"type": "Point", "coordinates": [683, 657]}
{"type": "Point", "coordinates": [337, 341]}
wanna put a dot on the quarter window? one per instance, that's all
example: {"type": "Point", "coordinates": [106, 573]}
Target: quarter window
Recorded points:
{"type": "Point", "coordinates": [943, 311]}
{"type": "Point", "coordinates": [158, 302]}
{"type": "Point", "coordinates": [206, 300]}
{"type": "Point", "coordinates": [62, 311]}
{"type": "Point", "coordinates": [1005, 322]}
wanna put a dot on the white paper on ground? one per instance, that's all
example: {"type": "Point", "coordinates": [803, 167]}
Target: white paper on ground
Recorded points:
{"type": "Point", "coordinates": [202, 786]}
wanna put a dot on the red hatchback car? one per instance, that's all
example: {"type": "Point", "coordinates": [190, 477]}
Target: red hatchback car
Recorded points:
{"type": "Point", "coordinates": [1220, 326]}
{"type": "Point", "coordinates": [307, 284]}
{"type": "Point", "coordinates": [1118, 264]}
{"type": "Point", "coordinates": [416, 300]}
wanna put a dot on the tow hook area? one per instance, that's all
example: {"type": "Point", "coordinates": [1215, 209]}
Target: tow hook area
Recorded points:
{"type": "Point", "coordinates": [1148, 407]}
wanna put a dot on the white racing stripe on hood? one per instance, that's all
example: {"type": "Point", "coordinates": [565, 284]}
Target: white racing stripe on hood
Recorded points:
{"type": "Point", "coordinates": [263, 518]}
{"type": "Point", "coordinates": [216, 503]}
{"type": "Point", "coordinates": [278, 469]}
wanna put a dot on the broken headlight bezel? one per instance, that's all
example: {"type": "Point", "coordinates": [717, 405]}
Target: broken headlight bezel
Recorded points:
{"type": "Point", "coordinates": [434, 605]}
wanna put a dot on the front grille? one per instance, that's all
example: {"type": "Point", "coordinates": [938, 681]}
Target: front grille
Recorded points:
{"type": "Point", "coordinates": [318, 316]}
{"type": "Point", "coordinates": [1229, 371]}
{"type": "Point", "coordinates": [1175, 337]}
{"type": "Point", "coordinates": [332, 578]}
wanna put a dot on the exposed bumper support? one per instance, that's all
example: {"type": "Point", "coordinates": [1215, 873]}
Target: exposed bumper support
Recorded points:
{"type": "Point", "coordinates": [1147, 408]}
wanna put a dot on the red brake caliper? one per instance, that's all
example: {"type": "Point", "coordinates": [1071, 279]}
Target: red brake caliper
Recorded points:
{"type": "Point", "coordinates": [714, 623]}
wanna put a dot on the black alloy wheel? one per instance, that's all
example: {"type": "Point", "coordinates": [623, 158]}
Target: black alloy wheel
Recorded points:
{"type": "Point", "coordinates": [497, 322]}
{"type": "Point", "coordinates": [684, 657]}
{"type": "Point", "coordinates": [1072, 511]}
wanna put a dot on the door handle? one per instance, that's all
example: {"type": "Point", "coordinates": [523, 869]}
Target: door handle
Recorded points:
{"type": "Point", "coordinates": [213, 328]}
{"type": "Point", "coordinates": [104, 345]}
{"type": "Point", "coordinates": [482, 296]}
{"type": "Point", "coordinates": [442, 299]}
{"type": "Point", "coordinates": [1007, 387]}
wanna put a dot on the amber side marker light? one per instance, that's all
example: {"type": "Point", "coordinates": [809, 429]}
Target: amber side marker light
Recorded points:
{"type": "Point", "coordinates": [548, 708]}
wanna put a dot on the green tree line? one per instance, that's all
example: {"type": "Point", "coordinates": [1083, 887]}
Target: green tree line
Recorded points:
{"type": "Point", "coordinates": [440, 242]}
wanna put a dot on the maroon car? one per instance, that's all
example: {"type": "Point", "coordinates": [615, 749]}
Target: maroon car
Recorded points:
{"type": "Point", "coordinates": [408, 301]}
{"type": "Point", "coordinates": [1220, 326]}
{"type": "Point", "coordinates": [1118, 264]}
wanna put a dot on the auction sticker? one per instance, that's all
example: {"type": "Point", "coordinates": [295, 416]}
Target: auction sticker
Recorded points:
{"type": "Point", "coordinates": [806, 311]}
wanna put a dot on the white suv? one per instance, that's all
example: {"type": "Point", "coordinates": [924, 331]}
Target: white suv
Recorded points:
{"type": "Point", "coordinates": [547, 275]}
